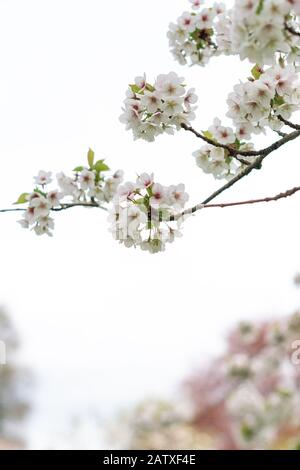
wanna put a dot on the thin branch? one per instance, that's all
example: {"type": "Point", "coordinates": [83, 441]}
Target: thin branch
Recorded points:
{"type": "Point", "coordinates": [288, 193]}
{"type": "Point", "coordinates": [289, 123]}
{"type": "Point", "coordinates": [245, 172]}
{"type": "Point", "coordinates": [280, 133]}
{"type": "Point", "coordinates": [233, 151]}
{"type": "Point", "coordinates": [241, 160]}
{"type": "Point", "coordinates": [246, 153]}
{"type": "Point", "coordinates": [291, 30]}
{"type": "Point", "coordinates": [256, 165]}
{"type": "Point", "coordinates": [12, 210]}
{"type": "Point", "coordinates": [198, 207]}
{"type": "Point", "coordinates": [63, 207]}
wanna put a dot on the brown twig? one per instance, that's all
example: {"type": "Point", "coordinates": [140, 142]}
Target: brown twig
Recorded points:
{"type": "Point", "coordinates": [246, 153]}
{"type": "Point", "coordinates": [63, 207]}
{"type": "Point", "coordinates": [289, 123]}
{"type": "Point", "coordinates": [198, 207]}
{"type": "Point", "coordinates": [288, 193]}
{"type": "Point", "coordinates": [78, 204]}
{"type": "Point", "coordinates": [233, 151]}
{"type": "Point", "coordinates": [12, 210]}
{"type": "Point", "coordinates": [291, 30]}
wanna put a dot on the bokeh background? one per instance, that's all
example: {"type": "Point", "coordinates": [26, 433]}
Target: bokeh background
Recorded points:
{"type": "Point", "coordinates": [103, 327]}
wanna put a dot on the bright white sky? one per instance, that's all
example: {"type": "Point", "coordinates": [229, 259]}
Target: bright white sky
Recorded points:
{"type": "Point", "coordinates": [102, 326]}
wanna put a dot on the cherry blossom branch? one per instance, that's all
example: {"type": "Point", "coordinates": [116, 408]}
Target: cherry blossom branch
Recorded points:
{"type": "Point", "coordinates": [282, 195]}
{"type": "Point", "coordinates": [246, 153]}
{"type": "Point", "coordinates": [204, 205]}
{"type": "Point", "coordinates": [78, 204]}
{"type": "Point", "coordinates": [256, 165]}
{"type": "Point", "coordinates": [232, 151]}
{"type": "Point", "coordinates": [63, 207]}
{"type": "Point", "coordinates": [288, 193]}
{"type": "Point", "coordinates": [261, 154]}
{"type": "Point", "coordinates": [12, 210]}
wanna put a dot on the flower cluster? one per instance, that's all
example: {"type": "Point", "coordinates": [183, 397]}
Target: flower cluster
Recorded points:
{"type": "Point", "coordinates": [255, 104]}
{"type": "Point", "coordinates": [252, 106]}
{"type": "Point", "coordinates": [147, 214]}
{"type": "Point", "coordinates": [87, 187]}
{"type": "Point", "coordinates": [218, 161]}
{"type": "Point", "coordinates": [196, 35]}
{"type": "Point", "coordinates": [259, 30]}
{"type": "Point", "coordinates": [251, 399]}
{"type": "Point", "coordinates": [152, 110]}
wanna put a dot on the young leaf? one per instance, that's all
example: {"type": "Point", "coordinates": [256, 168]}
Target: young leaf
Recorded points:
{"type": "Point", "coordinates": [256, 72]}
{"type": "Point", "coordinates": [100, 166]}
{"type": "Point", "coordinates": [42, 193]}
{"type": "Point", "coordinates": [78, 169]}
{"type": "Point", "coordinates": [260, 7]}
{"type": "Point", "coordinates": [150, 87]}
{"type": "Point", "coordinates": [22, 198]}
{"type": "Point", "coordinates": [140, 201]}
{"type": "Point", "coordinates": [91, 158]}
{"type": "Point", "coordinates": [278, 100]}
{"type": "Point", "coordinates": [135, 88]}
{"type": "Point", "coordinates": [208, 135]}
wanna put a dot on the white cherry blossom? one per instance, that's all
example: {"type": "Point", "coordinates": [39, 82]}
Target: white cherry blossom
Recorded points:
{"type": "Point", "coordinates": [158, 109]}
{"type": "Point", "coordinates": [43, 177]}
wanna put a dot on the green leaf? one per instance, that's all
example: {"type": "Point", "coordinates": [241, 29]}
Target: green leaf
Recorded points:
{"type": "Point", "coordinates": [164, 213]}
{"type": "Point", "coordinates": [78, 169]}
{"type": "Point", "coordinates": [260, 7]}
{"type": "Point", "coordinates": [195, 34]}
{"type": "Point", "coordinates": [22, 198]}
{"type": "Point", "coordinates": [228, 159]}
{"type": "Point", "coordinates": [91, 158]}
{"type": "Point", "coordinates": [201, 44]}
{"type": "Point", "coordinates": [140, 201]}
{"type": "Point", "coordinates": [42, 193]}
{"type": "Point", "coordinates": [278, 100]}
{"type": "Point", "coordinates": [100, 166]}
{"type": "Point", "coordinates": [149, 191]}
{"type": "Point", "coordinates": [135, 88]}
{"type": "Point", "coordinates": [208, 135]}
{"type": "Point", "coordinates": [150, 87]}
{"type": "Point", "coordinates": [256, 72]}
{"type": "Point", "coordinates": [237, 143]}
